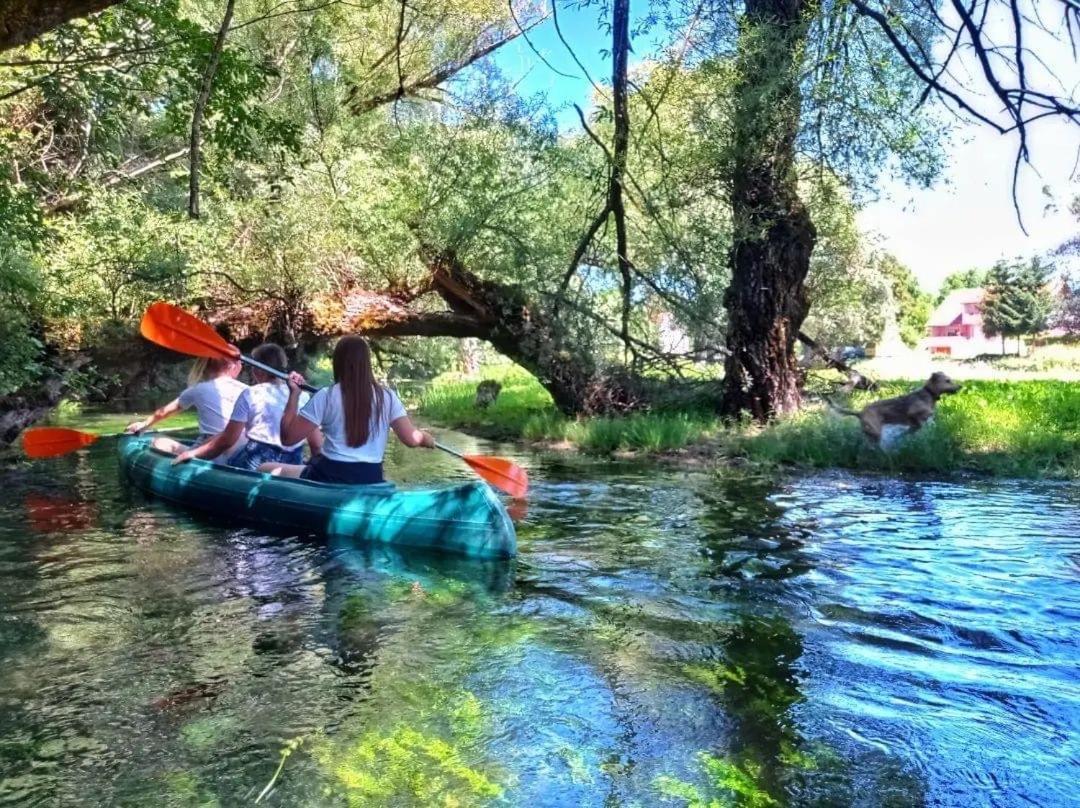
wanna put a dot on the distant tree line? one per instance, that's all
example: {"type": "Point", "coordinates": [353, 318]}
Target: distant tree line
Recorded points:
{"type": "Point", "coordinates": [1020, 299]}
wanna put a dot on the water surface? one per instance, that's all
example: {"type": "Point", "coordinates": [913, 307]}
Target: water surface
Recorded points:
{"type": "Point", "coordinates": [663, 639]}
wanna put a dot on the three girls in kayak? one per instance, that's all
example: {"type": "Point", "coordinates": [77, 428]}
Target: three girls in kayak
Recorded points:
{"type": "Point", "coordinates": [257, 415]}
{"type": "Point", "coordinates": [354, 415]}
{"type": "Point", "coordinates": [264, 427]}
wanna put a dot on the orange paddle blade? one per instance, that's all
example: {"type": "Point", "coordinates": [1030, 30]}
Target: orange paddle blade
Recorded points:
{"type": "Point", "coordinates": [172, 327]}
{"type": "Point", "coordinates": [501, 473]}
{"type": "Point", "coordinates": [48, 441]}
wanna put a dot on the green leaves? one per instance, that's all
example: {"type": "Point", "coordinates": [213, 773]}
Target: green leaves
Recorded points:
{"type": "Point", "coordinates": [1018, 300]}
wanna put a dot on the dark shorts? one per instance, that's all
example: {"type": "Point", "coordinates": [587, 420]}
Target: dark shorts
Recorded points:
{"type": "Point", "coordinates": [323, 470]}
{"type": "Point", "coordinates": [254, 454]}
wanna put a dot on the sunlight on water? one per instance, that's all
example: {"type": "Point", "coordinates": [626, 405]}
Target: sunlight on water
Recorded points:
{"type": "Point", "coordinates": [661, 639]}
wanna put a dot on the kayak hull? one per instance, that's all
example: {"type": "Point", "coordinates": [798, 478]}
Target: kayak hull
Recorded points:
{"type": "Point", "coordinates": [466, 519]}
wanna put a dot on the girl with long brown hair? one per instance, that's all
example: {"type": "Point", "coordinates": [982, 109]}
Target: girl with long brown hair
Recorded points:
{"type": "Point", "coordinates": [355, 415]}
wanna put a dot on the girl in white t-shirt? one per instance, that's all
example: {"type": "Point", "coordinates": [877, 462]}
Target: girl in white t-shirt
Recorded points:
{"type": "Point", "coordinates": [212, 390]}
{"type": "Point", "coordinates": [355, 415]}
{"type": "Point", "coordinates": [257, 416]}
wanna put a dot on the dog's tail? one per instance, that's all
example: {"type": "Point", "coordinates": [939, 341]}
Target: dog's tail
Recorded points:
{"type": "Point", "coordinates": [837, 409]}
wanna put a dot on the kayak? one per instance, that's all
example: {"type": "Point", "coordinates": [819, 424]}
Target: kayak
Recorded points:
{"type": "Point", "coordinates": [466, 519]}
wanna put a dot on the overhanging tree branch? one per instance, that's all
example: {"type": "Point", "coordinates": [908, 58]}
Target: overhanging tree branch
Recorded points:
{"type": "Point", "coordinates": [200, 109]}
{"type": "Point", "coordinates": [411, 88]}
{"type": "Point", "coordinates": [23, 20]}
{"type": "Point", "coordinates": [1003, 68]}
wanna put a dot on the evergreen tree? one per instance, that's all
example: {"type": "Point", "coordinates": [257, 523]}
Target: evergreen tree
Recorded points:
{"type": "Point", "coordinates": [1001, 309]}
{"type": "Point", "coordinates": [1067, 310]}
{"type": "Point", "coordinates": [1034, 282]}
{"type": "Point", "coordinates": [1017, 301]}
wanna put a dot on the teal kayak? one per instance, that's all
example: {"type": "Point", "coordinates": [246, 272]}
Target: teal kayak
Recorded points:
{"type": "Point", "coordinates": [466, 519]}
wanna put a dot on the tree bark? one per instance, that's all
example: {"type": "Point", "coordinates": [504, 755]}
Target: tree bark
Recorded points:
{"type": "Point", "coordinates": [200, 109]}
{"type": "Point", "coordinates": [500, 314]}
{"type": "Point", "coordinates": [773, 235]}
{"type": "Point", "coordinates": [620, 57]}
{"type": "Point", "coordinates": [23, 20]}
{"type": "Point", "coordinates": [614, 203]}
{"type": "Point", "coordinates": [519, 330]}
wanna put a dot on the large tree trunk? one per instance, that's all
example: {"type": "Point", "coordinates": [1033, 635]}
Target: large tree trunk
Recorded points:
{"type": "Point", "coordinates": [773, 235]}
{"type": "Point", "coordinates": [501, 314]}
{"type": "Point", "coordinates": [516, 329]}
{"type": "Point", "coordinates": [23, 20]}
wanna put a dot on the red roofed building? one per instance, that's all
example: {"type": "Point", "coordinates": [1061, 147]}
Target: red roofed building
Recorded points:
{"type": "Point", "coordinates": [955, 328]}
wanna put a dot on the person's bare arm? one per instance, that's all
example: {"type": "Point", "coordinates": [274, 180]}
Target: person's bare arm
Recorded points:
{"type": "Point", "coordinates": [215, 446]}
{"type": "Point", "coordinates": [160, 414]}
{"type": "Point", "coordinates": [315, 442]}
{"type": "Point", "coordinates": [410, 435]}
{"type": "Point", "coordinates": [293, 427]}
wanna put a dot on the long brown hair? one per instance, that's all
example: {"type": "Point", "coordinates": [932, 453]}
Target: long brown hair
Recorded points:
{"type": "Point", "coordinates": [361, 394]}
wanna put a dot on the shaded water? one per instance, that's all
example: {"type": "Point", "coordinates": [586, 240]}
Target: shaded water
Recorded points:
{"type": "Point", "coordinates": [663, 639]}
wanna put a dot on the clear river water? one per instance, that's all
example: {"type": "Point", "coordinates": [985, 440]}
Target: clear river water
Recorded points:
{"type": "Point", "coordinates": [664, 638]}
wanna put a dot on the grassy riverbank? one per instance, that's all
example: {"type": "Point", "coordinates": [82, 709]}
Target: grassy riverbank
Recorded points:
{"type": "Point", "coordinates": [1006, 428]}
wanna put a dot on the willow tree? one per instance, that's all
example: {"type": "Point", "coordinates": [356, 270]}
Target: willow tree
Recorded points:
{"type": "Point", "coordinates": [847, 82]}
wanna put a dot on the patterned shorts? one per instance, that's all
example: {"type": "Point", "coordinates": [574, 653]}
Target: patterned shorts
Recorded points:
{"type": "Point", "coordinates": [254, 454]}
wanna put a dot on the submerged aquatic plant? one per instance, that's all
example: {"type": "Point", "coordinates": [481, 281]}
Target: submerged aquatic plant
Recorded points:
{"type": "Point", "coordinates": [405, 763]}
{"type": "Point", "coordinates": [287, 750]}
{"type": "Point", "coordinates": [729, 784]}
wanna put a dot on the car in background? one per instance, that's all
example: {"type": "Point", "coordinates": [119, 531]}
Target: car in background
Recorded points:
{"type": "Point", "coordinates": [850, 353]}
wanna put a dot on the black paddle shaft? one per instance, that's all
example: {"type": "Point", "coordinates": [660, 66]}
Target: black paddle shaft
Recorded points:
{"type": "Point", "coordinates": [247, 360]}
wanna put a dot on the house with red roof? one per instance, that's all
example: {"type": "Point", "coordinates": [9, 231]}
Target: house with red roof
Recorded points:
{"type": "Point", "coordinates": [955, 329]}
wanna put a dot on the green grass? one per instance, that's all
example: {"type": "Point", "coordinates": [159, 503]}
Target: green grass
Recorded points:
{"type": "Point", "coordinates": [1022, 429]}
{"type": "Point", "coordinates": [524, 410]}
{"type": "Point", "coordinates": [642, 432]}
{"type": "Point", "coordinates": [449, 401]}
{"type": "Point", "coordinates": [1006, 428]}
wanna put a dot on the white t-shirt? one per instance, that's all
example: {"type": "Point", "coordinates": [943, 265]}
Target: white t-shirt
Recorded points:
{"type": "Point", "coordinates": [260, 407]}
{"type": "Point", "coordinates": [325, 410]}
{"type": "Point", "coordinates": [213, 401]}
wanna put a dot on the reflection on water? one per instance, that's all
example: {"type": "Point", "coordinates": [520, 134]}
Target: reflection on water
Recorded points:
{"type": "Point", "coordinates": [661, 639]}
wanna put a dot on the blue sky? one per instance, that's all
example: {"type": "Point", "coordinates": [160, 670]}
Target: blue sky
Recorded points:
{"type": "Point", "coordinates": [965, 220]}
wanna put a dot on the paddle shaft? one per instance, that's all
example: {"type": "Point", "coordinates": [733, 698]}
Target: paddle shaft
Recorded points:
{"type": "Point", "coordinates": [448, 450]}
{"type": "Point", "coordinates": [255, 363]}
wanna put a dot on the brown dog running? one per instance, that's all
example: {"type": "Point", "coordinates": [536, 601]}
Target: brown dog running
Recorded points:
{"type": "Point", "coordinates": [911, 410]}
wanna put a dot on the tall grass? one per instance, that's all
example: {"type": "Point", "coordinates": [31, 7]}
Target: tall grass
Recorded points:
{"type": "Point", "coordinates": [450, 401]}
{"type": "Point", "coordinates": [645, 432]}
{"type": "Point", "coordinates": [1023, 429]}
{"type": "Point", "coordinates": [1026, 429]}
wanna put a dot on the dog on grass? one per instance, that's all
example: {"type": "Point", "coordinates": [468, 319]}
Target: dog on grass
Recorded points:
{"type": "Point", "coordinates": [912, 410]}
